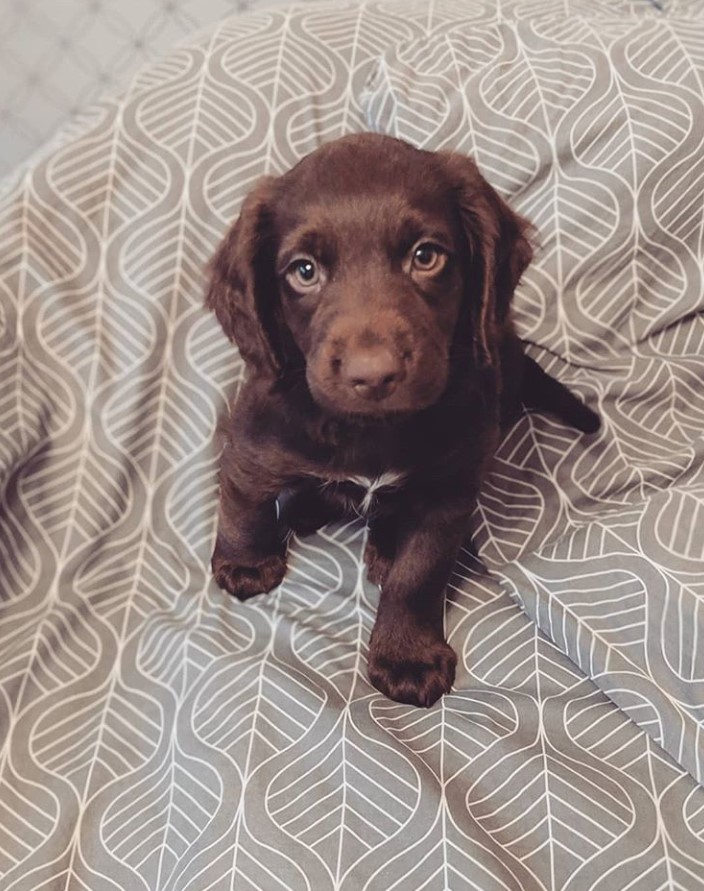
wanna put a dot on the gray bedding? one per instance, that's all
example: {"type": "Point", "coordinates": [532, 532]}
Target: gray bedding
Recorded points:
{"type": "Point", "coordinates": [157, 734]}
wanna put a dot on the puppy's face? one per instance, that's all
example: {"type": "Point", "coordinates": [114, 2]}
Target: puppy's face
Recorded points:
{"type": "Point", "coordinates": [371, 261]}
{"type": "Point", "coordinates": [370, 274]}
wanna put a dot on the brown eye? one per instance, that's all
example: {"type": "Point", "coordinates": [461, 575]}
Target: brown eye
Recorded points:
{"type": "Point", "coordinates": [428, 257]}
{"type": "Point", "coordinates": [303, 273]}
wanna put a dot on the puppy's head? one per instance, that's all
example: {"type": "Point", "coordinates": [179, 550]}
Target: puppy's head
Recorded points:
{"type": "Point", "coordinates": [369, 265]}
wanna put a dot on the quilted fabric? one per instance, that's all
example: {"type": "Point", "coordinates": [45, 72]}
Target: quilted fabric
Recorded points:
{"type": "Point", "coordinates": [55, 58]}
{"type": "Point", "coordinates": [158, 735]}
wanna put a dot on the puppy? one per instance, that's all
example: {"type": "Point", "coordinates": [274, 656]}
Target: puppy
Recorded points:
{"type": "Point", "coordinates": [368, 291]}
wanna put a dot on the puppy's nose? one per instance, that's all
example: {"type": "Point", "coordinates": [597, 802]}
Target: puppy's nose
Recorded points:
{"type": "Point", "coordinates": [374, 373]}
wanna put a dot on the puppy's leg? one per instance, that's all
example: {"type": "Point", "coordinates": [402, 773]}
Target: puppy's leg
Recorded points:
{"type": "Point", "coordinates": [409, 659]}
{"type": "Point", "coordinates": [540, 391]}
{"type": "Point", "coordinates": [307, 508]}
{"type": "Point", "coordinates": [250, 549]}
{"type": "Point", "coordinates": [381, 548]}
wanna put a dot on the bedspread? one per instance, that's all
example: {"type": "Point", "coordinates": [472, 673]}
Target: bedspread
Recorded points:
{"type": "Point", "coordinates": [157, 734]}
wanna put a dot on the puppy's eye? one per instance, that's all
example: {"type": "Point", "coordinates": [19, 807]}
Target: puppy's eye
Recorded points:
{"type": "Point", "coordinates": [428, 257]}
{"type": "Point", "coordinates": [303, 274]}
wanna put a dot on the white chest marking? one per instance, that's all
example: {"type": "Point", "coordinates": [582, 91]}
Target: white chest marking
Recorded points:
{"type": "Point", "coordinates": [387, 480]}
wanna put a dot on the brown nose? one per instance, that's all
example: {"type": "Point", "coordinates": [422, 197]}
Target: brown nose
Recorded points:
{"type": "Point", "coordinates": [374, 372]}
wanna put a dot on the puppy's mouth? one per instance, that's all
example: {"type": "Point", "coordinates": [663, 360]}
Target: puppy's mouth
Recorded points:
{"type": "Point", "coordinates": [382, 404]}
{"type": "Point", "coordinates": [377, 375]}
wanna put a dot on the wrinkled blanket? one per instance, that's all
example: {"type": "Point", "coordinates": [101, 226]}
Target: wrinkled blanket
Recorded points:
{"type": "Point", "coordinates": [157, 734]}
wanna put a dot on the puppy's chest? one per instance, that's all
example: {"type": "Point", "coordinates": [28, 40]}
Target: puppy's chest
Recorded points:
{"type": "Point", "coordinates": [364, 492]}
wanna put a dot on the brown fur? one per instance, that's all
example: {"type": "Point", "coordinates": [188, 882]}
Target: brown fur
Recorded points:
{"type": "Point", "coordinates": [381, 365]}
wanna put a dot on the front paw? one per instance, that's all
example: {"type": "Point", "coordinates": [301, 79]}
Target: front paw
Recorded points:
{"type": "Point", "coordinates": [246, 581]}
{"type": "Point", "coordinates": [418, 672]}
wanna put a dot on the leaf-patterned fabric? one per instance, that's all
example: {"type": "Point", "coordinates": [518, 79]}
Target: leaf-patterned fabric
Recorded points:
{"type": "Point", "coordinates": [593, 129]}
{"type": "Point", "coordinates": [157, 734]}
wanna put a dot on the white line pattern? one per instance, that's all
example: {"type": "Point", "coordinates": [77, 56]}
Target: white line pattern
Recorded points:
{"type": "Point", "coordinates": [157, 735]}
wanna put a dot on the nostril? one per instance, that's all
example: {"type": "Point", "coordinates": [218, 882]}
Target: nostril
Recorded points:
{"type": "Point", "coordinates": [375, 380]}
{"type": "Point", "coordinates": [375, 388]}
{"type": "Point", "coordinates": [373, 373]}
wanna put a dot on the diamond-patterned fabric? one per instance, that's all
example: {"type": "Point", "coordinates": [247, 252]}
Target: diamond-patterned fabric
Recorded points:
{"type": "Point", "coordinates": [57, 58]}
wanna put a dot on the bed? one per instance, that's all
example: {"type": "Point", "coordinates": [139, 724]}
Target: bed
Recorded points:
{"type": "Point", "coordinates": [157, 734]}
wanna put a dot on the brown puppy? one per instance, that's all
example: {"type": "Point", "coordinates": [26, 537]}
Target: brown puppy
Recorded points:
{"type": "Point", "coordinates": [368, 290]}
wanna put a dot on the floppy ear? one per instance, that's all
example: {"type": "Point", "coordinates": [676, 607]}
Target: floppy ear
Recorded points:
{"type": "Point", "coordinates": [499, 252]}
{"type": "Point", "coordinates": [242, 290]}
